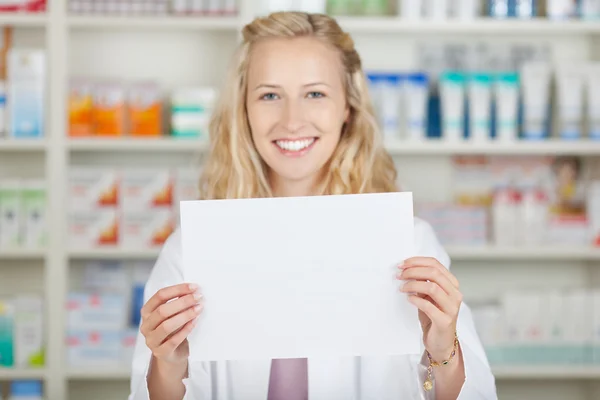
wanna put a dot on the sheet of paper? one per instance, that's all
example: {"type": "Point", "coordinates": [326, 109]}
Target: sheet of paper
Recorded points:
{"type": "Point", "coordinates": [300, 277]}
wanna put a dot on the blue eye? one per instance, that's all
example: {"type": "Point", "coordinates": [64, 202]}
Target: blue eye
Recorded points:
{"type": "Point", "coordinates": [269, 96]}
{"type": "Point", "coordinates": [315, 95]}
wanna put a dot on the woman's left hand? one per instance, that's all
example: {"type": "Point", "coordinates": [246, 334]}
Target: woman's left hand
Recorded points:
{"type": "Point", "coordinates": [435, 292]}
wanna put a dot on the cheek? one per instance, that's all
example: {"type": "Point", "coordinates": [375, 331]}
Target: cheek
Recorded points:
{"type": "Point", "coordinates": [261, 121]}
{"type": "Point", "coordinates": [327, 118]}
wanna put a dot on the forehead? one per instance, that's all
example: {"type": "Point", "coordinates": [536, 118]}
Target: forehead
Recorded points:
{"type": "Point", "coordinates": [287, 59]}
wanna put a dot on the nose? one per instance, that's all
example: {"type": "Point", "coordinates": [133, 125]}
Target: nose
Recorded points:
{"type": "Point", "coordinates": [293, 118]}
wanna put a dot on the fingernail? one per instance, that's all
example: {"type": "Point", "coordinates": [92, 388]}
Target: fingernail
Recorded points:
{"type": "Point", "coordinates": [197, 296]}
{"type": "Point", "coordinates": [193, 286]}
{"type": "Point", "coordinates": [197, 308]}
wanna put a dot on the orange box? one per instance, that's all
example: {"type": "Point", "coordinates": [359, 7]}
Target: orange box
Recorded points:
{"type": "Point", "coordinates": [81, 106]}
{"type": "Point", "coordinates": [145, 110]}
{"type": "Point", "coordinates": [109, 109]}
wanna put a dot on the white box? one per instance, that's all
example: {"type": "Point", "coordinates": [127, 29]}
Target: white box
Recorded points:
{"type": "Point", "coordinates": [29, 334]}
{"type": "Point", "coordinates": [93, 348]}
{"type": "Point", "coordinates": [128, 340]}
{"type": "Point", "coordinates": [10, 214]}
{"type": "Point", "coordinates": [93, 229]}
{"type": "Point", "coordinates": [144, 189]}
{"type": "Point", "coordinates": [146, 229]}
{"type": "Point", "coordinates": [91, 188]}
{"type": "Point", "coordinates": [96, 311]}
{"type": "Point", "coordinates": [34, 207]}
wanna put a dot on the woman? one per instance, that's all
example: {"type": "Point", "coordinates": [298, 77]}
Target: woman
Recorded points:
{"type": "Point", "coordinates": [295, 120]}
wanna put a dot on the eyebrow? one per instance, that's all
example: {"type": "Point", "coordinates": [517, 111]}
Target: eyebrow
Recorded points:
{"type": "Point", "coordinates": [273, 86]}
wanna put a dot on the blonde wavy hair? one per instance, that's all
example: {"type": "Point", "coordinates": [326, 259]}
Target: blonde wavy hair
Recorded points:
{"type": "Point", "coordinates": [235, 170]}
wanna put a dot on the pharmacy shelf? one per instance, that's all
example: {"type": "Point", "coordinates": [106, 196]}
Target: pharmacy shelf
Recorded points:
{"type": "Point", "coordinates": [455, 252]}
{"type": "Point", "coordinates": [23, 19]}
{"type": "Point", "coordinates": [22, 145]}
{"type": "Point", "coordinates": [22, 254]}
{"type": "Point", "coordinates": [155, 22]}
{"type": "Point", "coordinates": [546, 373]}
{"type": "Point", "coordinates": [500, 372]}
{"type": "Point", "coordinates": [523, 253]}
{"type": "Point", "coordinates": [114, 254]}
{"type": "Point", "coordinates": [444, 147]}
{"type": "Point", "coordinates": [395, 147]}
{"type": "Point", "coordinates": [100, 374]}
{"type": "Point", "coordinates": [164, 144]}
{"type": "Point", "coordinates": [536, 26]}
{"type": "Point", "coordinates": [17, 373]}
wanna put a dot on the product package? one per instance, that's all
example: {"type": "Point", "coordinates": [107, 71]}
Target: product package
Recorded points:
{"type": "Point", "coordinates": [94, 348]}
{"type": "Point", "coordinates": [29, 331]}
{"type": "Point", "coordinates": [570, 83]}
{"type": "Point", "coordinates": [145, 110]}
{"type": "Point", "coordinates": [10, 214]}
{"type": "Point", "coordinates": [480, 107]}
{"type": "Point", "coordinates": [146, 189]}
{"type": "Point", "coordinates": [26, 91]}
{"type": "Point", "coordinates": [147, 228]}
{"type": "Point", "coordinates": [96, 311]}
{"type": "Point", "coordinates": [414, 103]}
{"type": "Point", "coordinates": [91, 188]}
{"type": "Point", "coordinates": [535, 83]}
{"type": "Point", "coordinates": [190, 111]}
{"type": "Point", "coordinates": [93, 229]}
{"type": "Point", "coordinates": [561, 9]}
{"type": "Point", "coordinates": [593, 100]}
{"type": "Point", "coordinates": [6, 334]}
{"type": "Point", "coordinates": [453, 97]}
{"type": "Point", "coordinates": [81, 107]}
{"type": "Point", "coordinates": [34, 211]}
{"type": "Point", "coordinates": [506, 100]}
{"type": "Point", "coordinates": [590, 9]}
{"type": "Point", "coordinates": [109, 109]}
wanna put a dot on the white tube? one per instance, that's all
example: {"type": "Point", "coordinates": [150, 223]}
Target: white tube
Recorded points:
{"type": "Point", "coordinates": [416, 92]}
{"type": "Point", "coordinates": [507, 107]}
{"type": "Point", "coordinates": [593, 100]}
{"type": "Point", "coordinates": [569, 82]}
{"type": "Point", "coordinates": [536, 92]}
{"type": "Point", "coordinates": [480, 105]}
{"type": "Point", "coordinates": [452, 93]}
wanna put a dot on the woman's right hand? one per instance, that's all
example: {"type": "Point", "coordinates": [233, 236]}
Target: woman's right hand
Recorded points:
{"type": "Point", "coordinates": [167, 319]}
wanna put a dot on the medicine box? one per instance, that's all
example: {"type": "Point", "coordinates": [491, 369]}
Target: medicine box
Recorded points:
{"type": "Point", "coordinates": [10, 214]}
{"type": "Point", "coordinates": [92, 188]}
{"type": "Point", "coordinates": [93, 229]}
{"type": "Point", "coordinates": [144, 189]}
{"type": "Point", "coordinates": [145, 110]}
{"type": "Point", "coordinates": [94, 348]}
{"type": "Point", "coordinates": [26, 83]}
{"type": "Point", "coordinates": [147, 228]}
{"type": "Point", "coordinates": [35, 232]}
{"type": "Point", "coordinates": [29, 333]}
{"type": "Point", "coordinates": [96, 311]}
{"type": "Point", "coordinates": [109, 109]}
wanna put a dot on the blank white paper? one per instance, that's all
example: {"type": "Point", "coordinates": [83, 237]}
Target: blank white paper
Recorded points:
{"type": "Point", "coordinates": [300, 277]}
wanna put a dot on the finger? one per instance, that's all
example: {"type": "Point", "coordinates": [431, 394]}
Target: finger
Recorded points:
{"type": "Point", "coordinates": [433, 290]}
{"type": "Point", "coordinates": [167, 310]}
{"type": "Point", "coordinates": [430, 274]}
{"type": "Point", "coordinates": [166, 294]}
{"type": "Point", "coordinates": [171, 325]}
{"type": "Point", "coordinates": [436, 315]}
{"type": "Point", "coordinates": [175, 340]}
{"type": "Point", "coordinates": [431, 262]}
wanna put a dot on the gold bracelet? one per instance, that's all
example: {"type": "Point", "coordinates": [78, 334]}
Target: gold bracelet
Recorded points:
{"type": "Point", "coordinates": [428, 384]}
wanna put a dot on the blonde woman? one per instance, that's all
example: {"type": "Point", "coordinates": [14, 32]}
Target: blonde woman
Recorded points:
{"type": "Point", "coordinates": [295, 120]}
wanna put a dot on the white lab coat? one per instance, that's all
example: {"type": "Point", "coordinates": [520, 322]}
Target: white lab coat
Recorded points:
{"type": "Point", "coordinates": [354, 378]}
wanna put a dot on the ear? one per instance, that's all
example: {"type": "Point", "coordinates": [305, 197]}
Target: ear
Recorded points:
{"type": "Point", "coordinates": [347, 114]}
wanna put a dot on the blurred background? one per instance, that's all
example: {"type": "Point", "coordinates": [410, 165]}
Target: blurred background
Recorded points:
{"type": "Point", "coordinates": [491, 110]}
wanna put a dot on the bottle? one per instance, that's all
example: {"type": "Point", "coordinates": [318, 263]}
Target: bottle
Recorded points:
{"type": "Point", "coordinates": [25, 390]}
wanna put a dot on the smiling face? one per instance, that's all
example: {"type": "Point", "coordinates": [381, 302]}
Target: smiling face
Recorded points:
{"type": "Point", "coordinates": [296, 107]}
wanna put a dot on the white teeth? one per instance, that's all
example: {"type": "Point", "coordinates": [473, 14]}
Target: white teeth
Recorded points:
{"type": "Point", "coordinates": [294, 145]}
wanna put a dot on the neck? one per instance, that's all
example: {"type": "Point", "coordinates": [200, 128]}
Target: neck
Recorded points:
{"type": "Point", "coordinates": [287, 188]}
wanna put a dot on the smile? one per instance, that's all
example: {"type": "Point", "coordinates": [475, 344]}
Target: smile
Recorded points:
{"type": "Point", "coordinates": [295, 147]}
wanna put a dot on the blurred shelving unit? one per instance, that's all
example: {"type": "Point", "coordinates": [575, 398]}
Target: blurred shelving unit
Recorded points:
{"type": "Point", "coordinates": [33, 373]}
{"type": "Point", "coordinates": [138, 145]}
{"type": "Point", "coordinates": [151, 22]}
{"type": "Point", "coordinates": [179, 50]}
